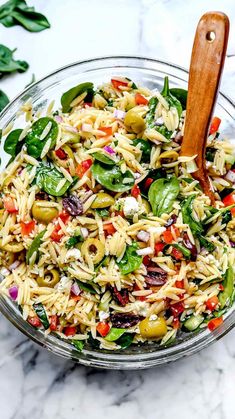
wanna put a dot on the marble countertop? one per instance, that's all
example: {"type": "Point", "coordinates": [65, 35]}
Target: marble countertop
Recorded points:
{"type": "Point", "coordinates": [36, 384]}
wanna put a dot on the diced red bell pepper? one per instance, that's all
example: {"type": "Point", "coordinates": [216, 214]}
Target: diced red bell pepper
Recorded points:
{"type": "Point", "coordinates": [140, 100]}
{"type": "Point", "coordinates": [103, 329]}
{"type": "Point", "coordinates": [109, 229]}
{"type": "Point", "coordinates": [121, 213]}
{"type": "Point", "coordinates": [76, 297]}
{"type": "Point", "coordinates": [139, 297]}
{"type": "Point", "coordinates": [117, 83]}
{"type": "Point", "coordinates": [135, 191]}
{"type": "Point", "coordinates": [177, 308]}
{"type": "Point", "coordinates": [212, 302]}
{"type": "Point", "coordinates": [82, 168]}
{"type": "Point", "coordinates": [167, 237]}
{"type": "Point", "coordinates": [176, 231]}
{"type": "Point", "coordinates": [107, 130]}
{"type": "Point", "coordinates": [34, 321]}
{"type": "Point", "coordinates": [176, 253]}
{"type": "Point", "coordinates": [70, 331]}
{"type": "Point", "coordinates": [64, 216]}
{"type": "Point", "coordinates": [53, 322]}
{"type": "Point", "coordinates": [146, 260]}
{"type": "Point", "coordinates": [221, 287]}
{"type": "Point", "coordinates": [229, 200]}
{"type": "Point", "coordinates": [214, 323]}
{"type": "Point", "coordinates": [9, 205]}
{"type": "Point", "coordinates": [27, 228]}
{"type": "Point", "coordinates": [60, 153]}
{"type": "Point", "coordinates": [87, 105]}
{"type": "Point", "coordinates": [176, 323]}
{"type": "Point", "coordinates": [159, 248]}
{"type": "Point", "coordinates": [179, 284]}
{"type": "Point", "coordinates": [148, 182]}
{"type": "Point", "coordinates": [56, 234]}
{"type": "Point", "coordinates": [215, 123]}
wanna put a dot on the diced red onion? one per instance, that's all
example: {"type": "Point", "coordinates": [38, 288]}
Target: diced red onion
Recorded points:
{"type": "Point", "coordinates": [13, 292]}
{"type": "Point", "coordinates": [143, 236]}
{"type": "Point", "coordinates": [58, 118]}
{"type": "Point", "coordinates": [119, 114]}
{"type": "Point", "coordinates": [87, 127]}
{"type": "Point", "coordinates": [75, 289]}
{"type": "Point", "coordinates": [69, 128]}
{"type": "Point", "coordinates": [144, 252]}
{"type": "Point", "coordinates": [109, 150]}
{"type": "Point", "coordinates": [230, 176]}
{"type": "Point", "coordinates": [14, 265]}
{"type": "Point", "coordinates": [84, 232]}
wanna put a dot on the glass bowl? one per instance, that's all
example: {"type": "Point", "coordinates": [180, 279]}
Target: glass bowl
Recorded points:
{"type": "Point", "coordinates": [150, 73]}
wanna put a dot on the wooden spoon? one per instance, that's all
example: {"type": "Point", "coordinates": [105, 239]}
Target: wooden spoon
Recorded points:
{"type": "Point", "coordinates": [207, 61]}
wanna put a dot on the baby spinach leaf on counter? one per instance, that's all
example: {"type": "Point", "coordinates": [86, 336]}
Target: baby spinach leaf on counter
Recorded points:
{"type": "Point", "coordinates": [181, 95]}
{"type": "Point", "coordinates": [43, 130]}
{"type": "Point", "coordinates": [8, 64]}
{"type": "Point", "coordinates": [48, 178]}
{"type": "Point", "coordinates": [172, 100]}
{"type": "Point", "coordinates": [86, 286]}
{"type": "Point", "coordinates": [145, 147]}
{"type": "Point", "coordinates": [79, 344]}
{"type": "Point", "coordinates": [112, 178]}
{"type": "Point", "coordinates": [131, 261]}
{"type": "Point", "coordinates": [17, 12]}
{"type": "Point", "coordinates": [228, 284]}
{"type": "Point", "coordinates": [41, 313]}
{"type": "Point", "coordinates": [3, 100]}
{"type": "Point", "coordinates": [36, 243]}
{"type": "Point", "coordinates": [12, 144]}
{"type": "Point", "coordinates": [162, 195]}
{"type": "Point", "coordinates": [71, 94]}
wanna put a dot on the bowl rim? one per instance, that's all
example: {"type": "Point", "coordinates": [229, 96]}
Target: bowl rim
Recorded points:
{"type": "Point", "coordinates": [103, 359]}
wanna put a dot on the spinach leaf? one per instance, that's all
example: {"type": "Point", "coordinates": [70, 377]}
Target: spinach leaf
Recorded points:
{"type": "Point", "coordinates": [101, 157]}
{"type": "Point", "coordinates": [164, 131]}
{"type": "Point", "coordinates": [8, 64]}
{"type": "Point", "coordinates": [131, 261]}
{"type": "Point", "coordinates": [125, 340]}
{"type": "Point", "coordinates": [186, 252]}
{"type": "Point", "coordinates": [112, 178]}
{"type": "Point", "coordinates": [41, 313]}
{"type": "Point", "coordinates": [162, 195]}
{"type": "Point", "coordinates": [79, 344]}
{"type": "Point", "coordinates": [71, 94]}
{"type": "Point", "coordinates": [145, 147]}
{"type": "Point", "coordinates": [73, 241]}
{"type": "Point", "coordinates": [38, 136]}
{"type": "Point", "coordinates": [172, 100]}
{"type": "Point", "coordinates": [195, 226]}
{"type": "Point", "coordinates": [95, 344]}
{"type": "Point", "coordinates": [102, 212]}
{"type": "Point", "coordinates": [17, 12]}
{"type": "Point", "coordinates": [210, 153]}
{"type": "Point", "coordinates": [86, 286]}
{"type": "Point", "coordinates": [3, 100]}
{"type": "Point", "coordinates": [150, 117]}
{"type": "Point", "coordinates": [48, 178]}
{"type": "Point", "coordinates": [181, 95]}
{"type": "Point", "coordinates": [114, 334]}
{"type": "Point", "coordinates": [225, 296]}
{"type": "Point", "coordinates": [36, 243]}
{"type": "Point", "coordinates": [12, 144]}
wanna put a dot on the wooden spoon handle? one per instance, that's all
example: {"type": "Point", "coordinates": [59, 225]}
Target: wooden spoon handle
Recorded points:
{"type": "Point", "coordinates": [207, 61]}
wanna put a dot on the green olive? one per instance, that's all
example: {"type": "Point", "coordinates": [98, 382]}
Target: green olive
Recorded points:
{"type": "Point", "coordinates": [146, 206]}
{"type": "Point", "coordinates": [134, 122]}
{"type": "Point", "coordinates": [13, 247]}
{"type": "Point", "coordinates": [102, 200]}
{"type": "Point", "coordinates": [153, 329]}
{"type": "Point", "coordinates": [42, 213]}
{"type": "Point", "coordinates": [50, 279]}
{"type": "Point", "coordinates": [94, 248]}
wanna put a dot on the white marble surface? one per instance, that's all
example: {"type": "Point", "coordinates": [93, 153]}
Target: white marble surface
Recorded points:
{"type": "Point", "coordinates": [35, 384]}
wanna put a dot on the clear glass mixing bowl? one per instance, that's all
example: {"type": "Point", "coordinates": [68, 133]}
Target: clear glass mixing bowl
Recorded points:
{"type": "Point", "coordinates": [150, 73]}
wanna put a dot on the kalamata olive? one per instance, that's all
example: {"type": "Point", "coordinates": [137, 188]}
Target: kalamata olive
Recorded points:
{"type": "Point", "coordinates": [123, 320]}
{"type": "Point", "coordinates": [153, 329]}
{"type": "Point", "coordinates": [43, 196]}
{"type": "Point", "coordinates": [121, 297]}
{"type": "Point", "coordinates": [73, 205]}
{"type": "Point", "coordinates": [155, 277]}
{"type": "Point", "coordinates": [171, 220]}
